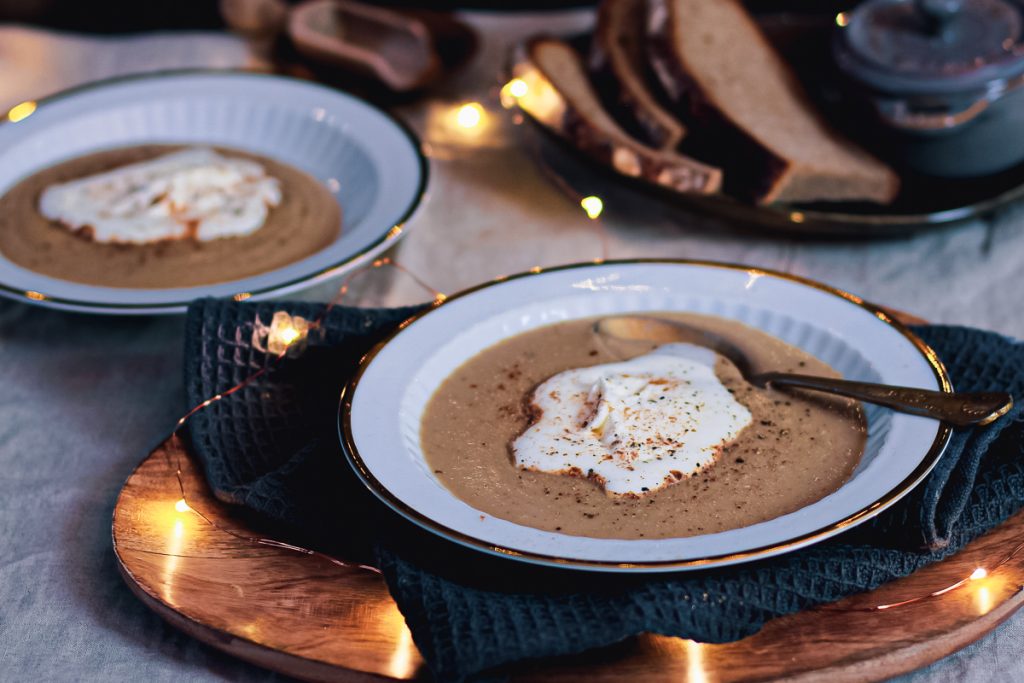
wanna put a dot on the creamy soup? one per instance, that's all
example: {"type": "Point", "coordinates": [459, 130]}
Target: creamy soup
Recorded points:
{"type": "Point", "coordinates": [306, 219]}
{"type": "Point", "coordinates": [793, 449]}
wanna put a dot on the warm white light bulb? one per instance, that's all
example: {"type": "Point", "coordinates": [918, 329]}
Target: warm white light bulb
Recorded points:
{"type": "Point", "coordinates": [517, 87]}
{"type": "Point", "coordinates": [20, 112]}
{"type": "Point", "coordinates": [470, 115]}
{"type": "Point", "coordinates": [593, 206]}
{"type": "Point", "coordinates": [288, 335]}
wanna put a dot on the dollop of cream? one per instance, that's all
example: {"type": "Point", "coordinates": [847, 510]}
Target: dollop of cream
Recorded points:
{"type": "Point", "coordinates": [196, 193]}
{"type": "Point", "coordinates": [635, 426]}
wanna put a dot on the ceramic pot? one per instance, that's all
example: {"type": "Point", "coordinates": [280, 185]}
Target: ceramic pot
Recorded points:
{"type": "Point", "coordinates": [941, 80]}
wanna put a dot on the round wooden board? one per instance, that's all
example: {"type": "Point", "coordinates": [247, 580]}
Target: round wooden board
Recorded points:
{"type": "Point", "coordinates": [312, 619]}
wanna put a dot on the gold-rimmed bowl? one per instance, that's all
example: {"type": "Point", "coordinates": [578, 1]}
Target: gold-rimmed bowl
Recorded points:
{"type": "Point", "coordinates": [382, 407]}
{"type": "Point", "coordinates": [368, 160]}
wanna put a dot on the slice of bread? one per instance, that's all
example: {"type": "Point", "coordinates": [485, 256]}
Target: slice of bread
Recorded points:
{"type": "Point", "coordinates": [715, 62]}
{"type": "Point", "coordinates": [618, 61]}
{"type": "Point", "coordinates": [559, 95]}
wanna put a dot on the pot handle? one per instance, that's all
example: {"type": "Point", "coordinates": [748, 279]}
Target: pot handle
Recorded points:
{"type": "Point", "coordinates": [896, 114]}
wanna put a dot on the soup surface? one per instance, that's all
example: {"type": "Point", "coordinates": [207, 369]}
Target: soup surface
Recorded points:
{"type": "Point", "coordinates": [797, 449]}
{"type": "Point", "coordinates": [307, 220]}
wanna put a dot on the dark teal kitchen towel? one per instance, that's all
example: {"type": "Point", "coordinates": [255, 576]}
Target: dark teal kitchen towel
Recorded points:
{"type": "Point", "coordinates": [273, 448]}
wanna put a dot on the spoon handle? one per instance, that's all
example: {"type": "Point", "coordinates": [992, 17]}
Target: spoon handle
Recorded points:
{"type": "Point", "coordinates": [959, 409]}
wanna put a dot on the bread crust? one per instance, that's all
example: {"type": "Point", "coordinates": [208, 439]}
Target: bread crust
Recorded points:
{"type": "Point", "coordinates": [765, 172]}
{"type": "Point", "coordinates": [610, 62]}
{"type": "Point", "coordinates": [764, 175]}
{"type": "Point", "coordinates": [610, 145]}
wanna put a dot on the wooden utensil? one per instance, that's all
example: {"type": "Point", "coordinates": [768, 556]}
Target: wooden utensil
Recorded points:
{"type": "Point", "coordinates": [389, 46]}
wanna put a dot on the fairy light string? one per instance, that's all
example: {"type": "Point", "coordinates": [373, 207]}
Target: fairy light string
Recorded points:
{"type": "Point", "coordinates": [592, 205]}
{"type": "Point", "coordinates": [182, 505]}
{"type": "Point", "coordinates": [287, 333]}
{"type": "Point", "coordinates": [978, 574]}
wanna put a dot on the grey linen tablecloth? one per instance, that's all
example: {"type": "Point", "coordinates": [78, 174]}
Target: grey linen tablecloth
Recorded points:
{"type": "Point", "coordinates": [82, 399]}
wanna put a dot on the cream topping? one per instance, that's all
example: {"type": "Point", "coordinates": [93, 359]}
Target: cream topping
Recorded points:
{"type": "Point", "coordinates": [633, 426]}
{"type": "Point", "coordinates": [195, 193]}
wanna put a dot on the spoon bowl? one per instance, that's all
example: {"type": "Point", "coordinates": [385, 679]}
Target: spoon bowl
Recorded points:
{"type": "Point", "coordinates": [961, 409]}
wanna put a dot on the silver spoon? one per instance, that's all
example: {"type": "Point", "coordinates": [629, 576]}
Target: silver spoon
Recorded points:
{"type": "Point", "coordinates": [960, 409]}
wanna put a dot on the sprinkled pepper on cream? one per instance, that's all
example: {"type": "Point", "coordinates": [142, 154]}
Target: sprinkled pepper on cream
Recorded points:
{"type": "Point", "coordinates": [195, 193]}
{"type": "Point", "coordinates": [633, 426]}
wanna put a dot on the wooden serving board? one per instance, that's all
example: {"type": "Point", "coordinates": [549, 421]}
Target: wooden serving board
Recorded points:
{"type": "Point", "coordinates": [307, 617]}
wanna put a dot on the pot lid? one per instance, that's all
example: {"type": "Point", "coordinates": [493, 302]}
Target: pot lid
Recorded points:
{"type": "Point", "coordinates": [932, 45]}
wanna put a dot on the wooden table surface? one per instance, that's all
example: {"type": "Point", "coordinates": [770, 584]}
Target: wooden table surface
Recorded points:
{"type": "Point", "coordinates": [196, 566]}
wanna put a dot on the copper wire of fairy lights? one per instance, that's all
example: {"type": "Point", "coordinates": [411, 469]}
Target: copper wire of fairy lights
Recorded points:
{"type": "Point", "coordinates": [290, 339]}
{"type": "Point", "coordinates": [313, 326]}
{"type": "Point", "coordinates": [593, 207]}
{"type": "Point", "coordinates": [978, 574]}
{"type": "Point", "coordinates": [182, 505]}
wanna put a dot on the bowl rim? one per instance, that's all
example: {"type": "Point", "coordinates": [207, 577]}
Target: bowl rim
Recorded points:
{"type": "Point", "coordinates": [395, 231]}
{"type": "Point", "coordinates": [928, 460]}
